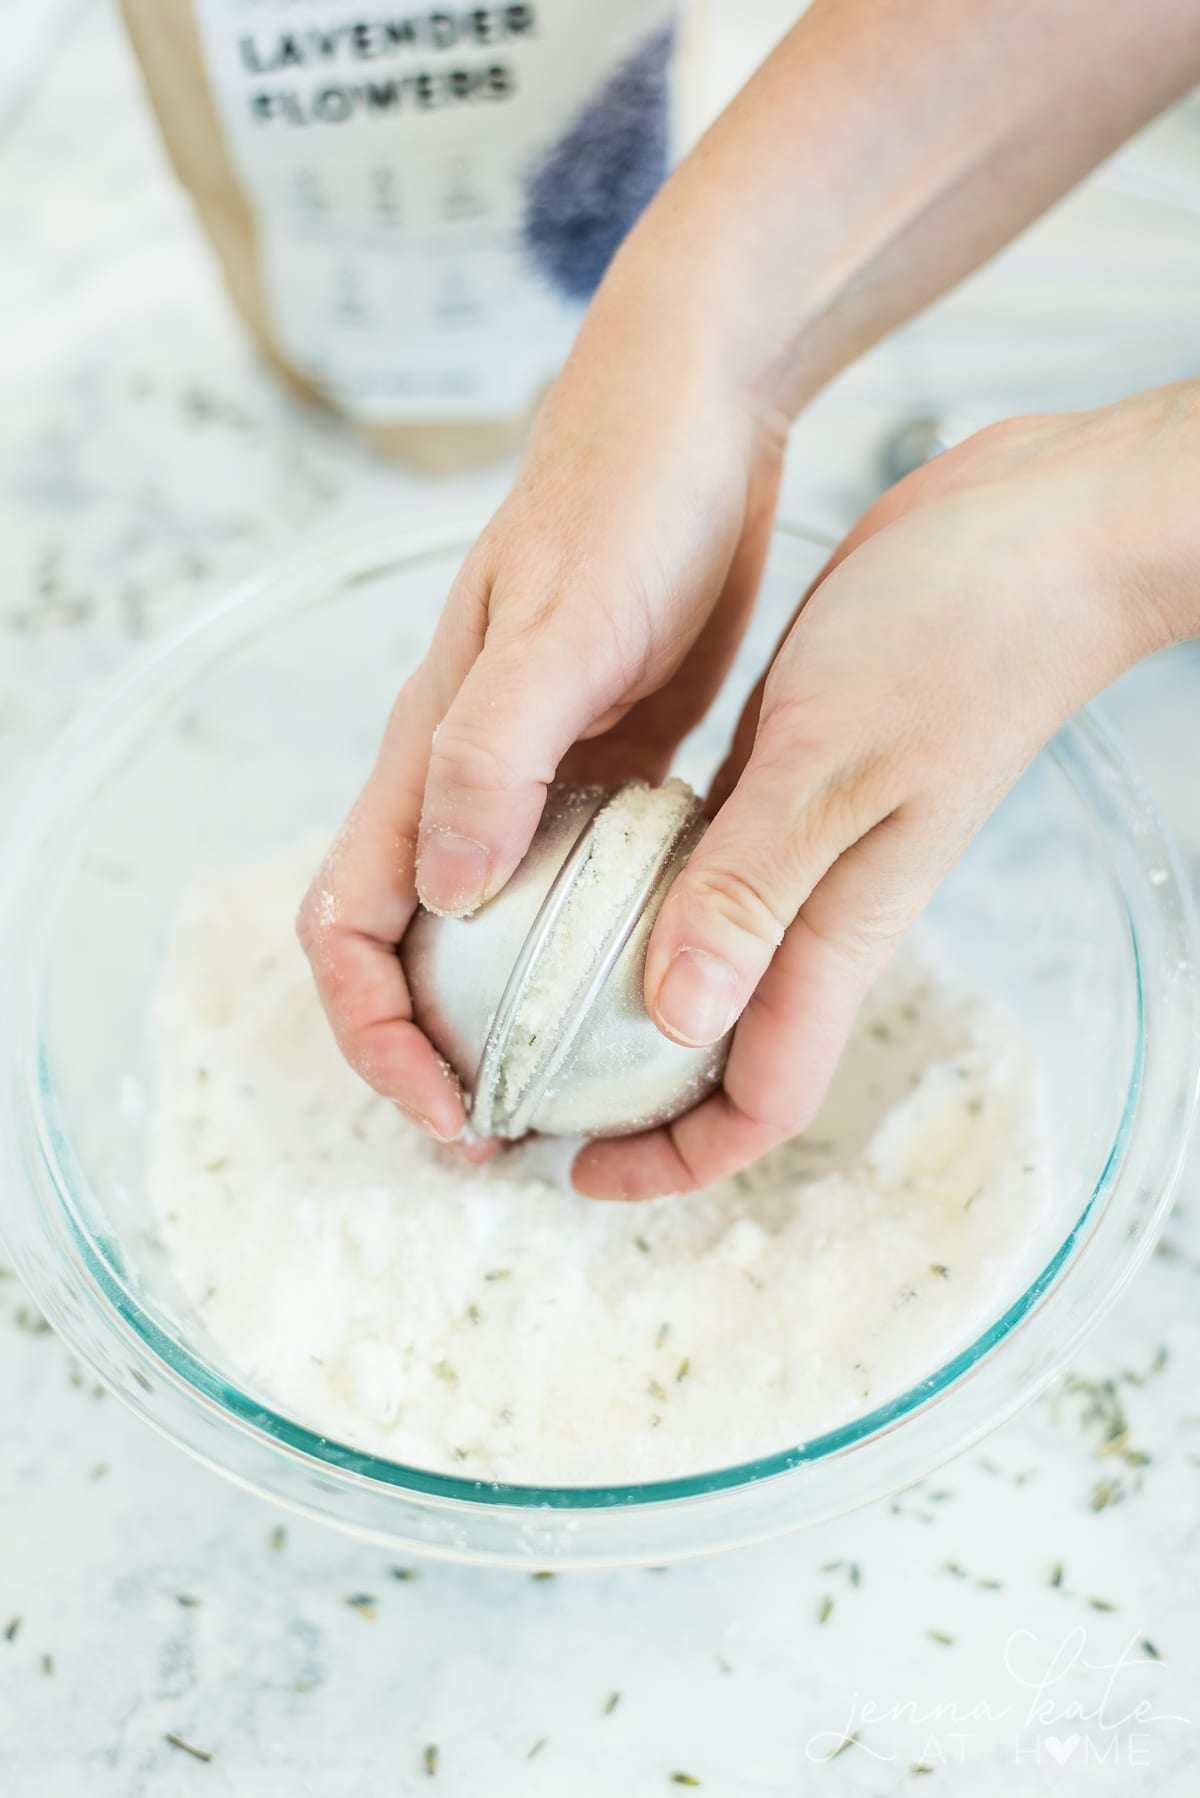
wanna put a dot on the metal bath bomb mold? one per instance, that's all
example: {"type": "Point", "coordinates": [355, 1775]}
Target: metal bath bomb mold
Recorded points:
{"type": "Point", "coordinates": [536, 999]}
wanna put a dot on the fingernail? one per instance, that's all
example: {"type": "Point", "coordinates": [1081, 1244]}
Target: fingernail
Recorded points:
{"type": "Point", "coordinates": [697, 1001]}
{"type": "Point", "coordinates": [452, 871]}
{"type": "Point", "coordinates": [476, 1150]}
{"type": "Point", "coordinates": [425, 1123]}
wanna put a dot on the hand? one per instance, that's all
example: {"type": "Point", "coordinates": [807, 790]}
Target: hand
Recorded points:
{"type": "Point", "coordinates": [603, 602]}
{"type": "Point", "coordinates": [968, 614]}
{"type": "Point", "coordinates": [587, 632]}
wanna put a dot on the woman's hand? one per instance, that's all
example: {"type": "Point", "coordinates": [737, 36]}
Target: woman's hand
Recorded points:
{"type": "Point", "coordinates": [968, 614]}
{"type": "Point", "coordinates": [879, 154]}
{"type": "Point", "coordinates": [588, 631]}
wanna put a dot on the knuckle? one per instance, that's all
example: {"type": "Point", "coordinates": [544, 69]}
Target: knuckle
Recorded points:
{"type": "Point", "coordinates": [774, 1123]}
{"type": "Point", "coordinates": [308, 921]}
{"type": "Point", "coordinates": [468, 757]}
{"type": "Point", "coordinates": [468, 601]}
{"type": "Point", "coordinates": [413, 690]}
{"type": "Point", "coordinates": [316, 930]}
{"type": "Point", "coordinates": [833, 799]}
{"type": "Point", "coordinates": [845, 805]}
{"type": "Point", "coordinates": [988, 450]}
{"type": "Point", "coordinates": [987, 440]}
{"type": "Point", "coordinates": [607, 645]}
{"type": "Point", "coordinates": [793, 718]}
{"type": "Point", "coordinates": [736, 900]}
{"type": "Point", "coordinates": [783, 714]}
{"type": "Point", "coordinates": [521, 616]}
{"type": "Point", "coordinates": [862, 941]}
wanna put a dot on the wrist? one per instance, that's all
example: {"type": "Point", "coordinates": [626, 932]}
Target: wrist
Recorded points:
{"type": "Point", "coordinates": [1157, 447]}
{"type": "Point", "coordinates": [660, 349]}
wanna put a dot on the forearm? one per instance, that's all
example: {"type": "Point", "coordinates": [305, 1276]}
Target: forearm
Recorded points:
{"type": "Point", "coordinates": [882, 152]}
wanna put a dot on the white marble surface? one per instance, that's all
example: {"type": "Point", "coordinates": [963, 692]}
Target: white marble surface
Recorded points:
{"type": "Point", "coordinates": [145, 461]}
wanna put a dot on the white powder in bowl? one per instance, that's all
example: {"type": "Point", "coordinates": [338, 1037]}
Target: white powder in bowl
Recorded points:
{"type": "Point", "coordinates": [625, 841]}
{"type": "Point", "coordinates": [486, 1322]}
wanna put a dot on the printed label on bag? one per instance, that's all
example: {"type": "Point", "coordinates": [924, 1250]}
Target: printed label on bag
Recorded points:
{"type": "Point", "coordinates": [438, 192]}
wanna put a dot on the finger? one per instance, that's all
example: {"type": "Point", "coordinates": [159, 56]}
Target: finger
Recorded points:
{"type": "Point", "coordinates": [475, 1150]}
{"type": "Point", "coordinates": [525, 700]}
{"type": "Point", "coordinates": [355, 913]}
{"type": "Point", "coordinates": [800, 786]}
{"type": "Point", "coordinates": [798, 805]}
{"type": "Point", "coordinates": [792, 1032]}
{"type": "Point", "coordinates": [360, 903]}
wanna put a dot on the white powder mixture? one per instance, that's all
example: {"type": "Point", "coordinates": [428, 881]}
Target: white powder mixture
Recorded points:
{"type": "Point", "coordinates": [486, 1322]}
{"type": "Point", "coordinates": [625, 841]}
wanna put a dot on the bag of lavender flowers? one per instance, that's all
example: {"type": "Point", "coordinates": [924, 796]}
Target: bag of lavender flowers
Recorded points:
{"type": "Point", "coordinates": [412, 208]}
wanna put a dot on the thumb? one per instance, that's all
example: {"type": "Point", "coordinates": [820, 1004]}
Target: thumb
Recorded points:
{"type": "Point", "coordinates": [524, 702]}
{"type": "Point", "coordinates": [776, 836]}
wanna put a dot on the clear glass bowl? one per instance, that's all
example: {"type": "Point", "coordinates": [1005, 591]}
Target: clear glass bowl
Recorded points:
{"type": "Point", "coordinates": [257, 725]}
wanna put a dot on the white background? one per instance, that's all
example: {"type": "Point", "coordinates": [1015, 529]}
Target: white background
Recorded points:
{"type": "Point", "coordinates": [145, 461]}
